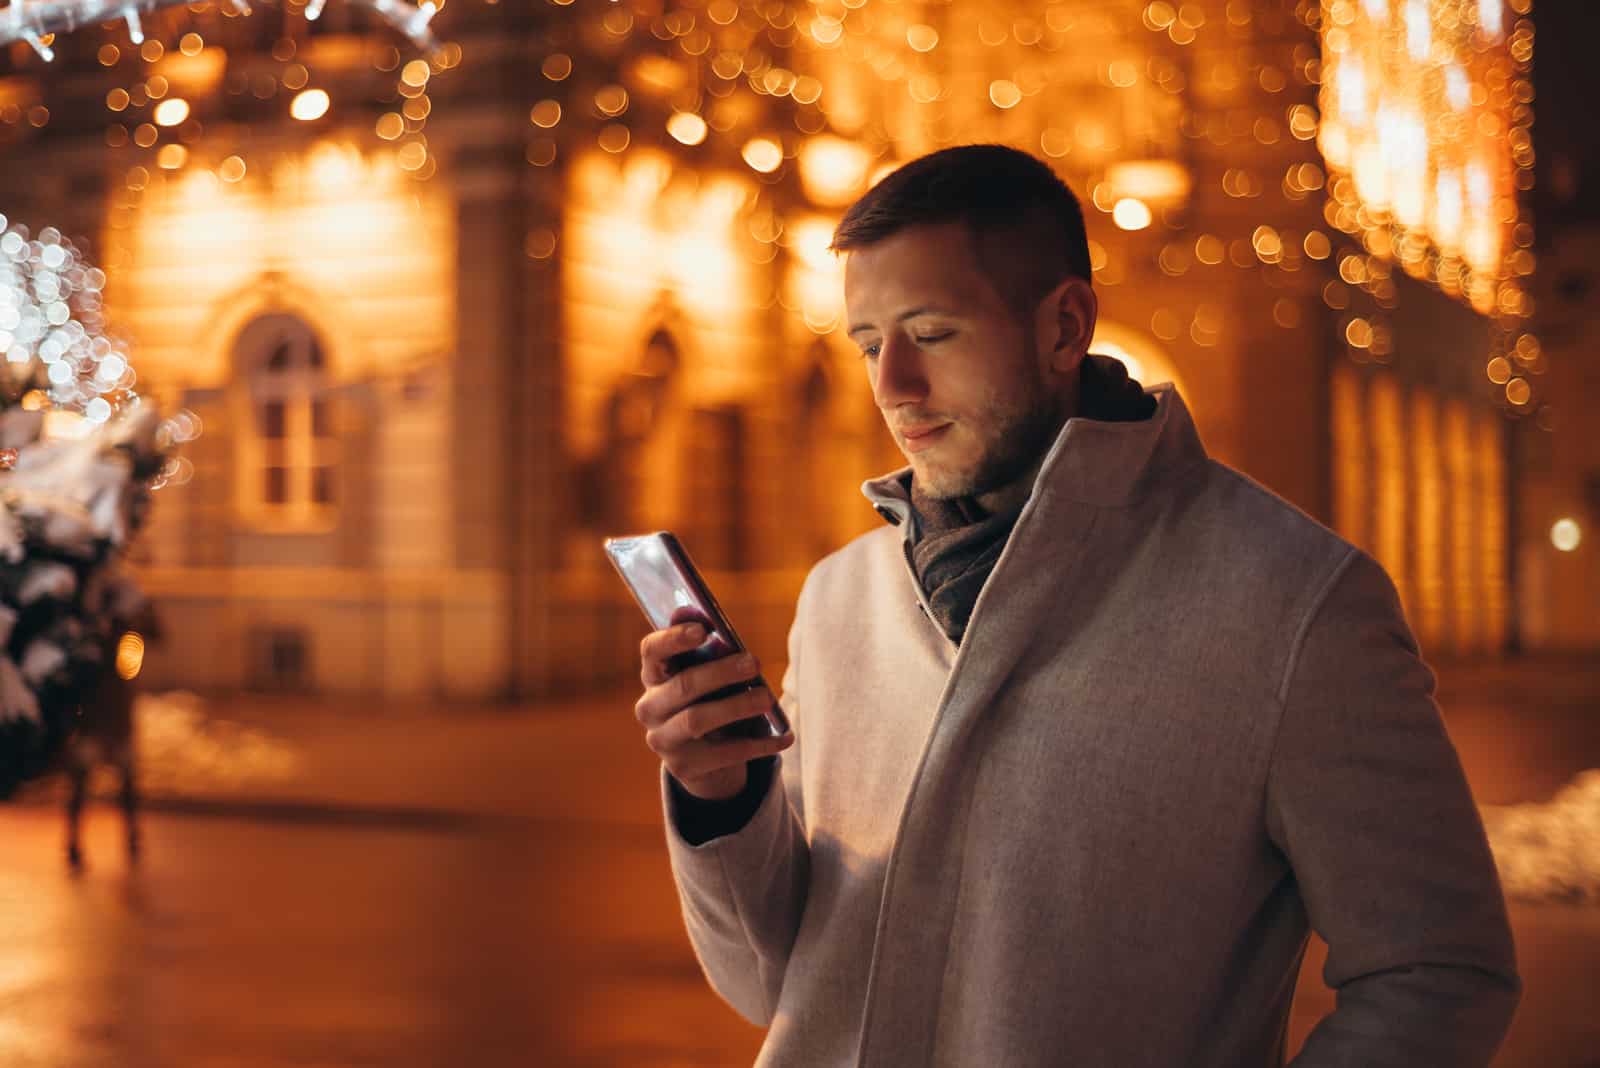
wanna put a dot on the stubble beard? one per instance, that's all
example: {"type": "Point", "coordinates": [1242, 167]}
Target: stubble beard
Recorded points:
{"type": "Point", "coordinates": [1011, 447]}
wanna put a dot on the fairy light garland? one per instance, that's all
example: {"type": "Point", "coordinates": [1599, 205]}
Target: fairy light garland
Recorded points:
{"type": "Point", "coordinates": [1426, 115]}
{"type": "Point", "coordinates": [38, 21]}
{"type": "Point", "coordinates": [759, 82]}
{"type": "Point", "coordinates": [748, 82]}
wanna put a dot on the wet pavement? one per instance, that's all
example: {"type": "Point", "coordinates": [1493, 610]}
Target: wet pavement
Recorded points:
{"type": "Point", "coordinates": [489, 888]}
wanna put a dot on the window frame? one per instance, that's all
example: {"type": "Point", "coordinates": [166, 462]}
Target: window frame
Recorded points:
{"type": "Point", "coordinates": [301, 387]}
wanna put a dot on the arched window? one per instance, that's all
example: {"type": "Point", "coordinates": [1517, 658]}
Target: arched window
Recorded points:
{"type": "Point", "coordinates": [291, 468]}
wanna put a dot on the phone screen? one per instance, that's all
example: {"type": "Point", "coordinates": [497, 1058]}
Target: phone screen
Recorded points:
{"type": "Point", "coordinates": [668, 596]}
{"type": "Point", "coordinates": [663, 581]}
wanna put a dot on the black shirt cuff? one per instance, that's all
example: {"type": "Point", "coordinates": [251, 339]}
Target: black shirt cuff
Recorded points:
{"type": "Point", "coordinates": [699, 820]}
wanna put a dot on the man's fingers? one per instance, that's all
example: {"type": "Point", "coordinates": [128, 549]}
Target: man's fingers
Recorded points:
{"type": "Point", "coordinates": [697, 759]}
{"type": "Point", "coordinates": [692, 724]}
{"type": "Point", "coordinates": [702, 679]}
{"type": "Point", "coordinates": [697, 721]}
{"type": "Point", "coordinates": [663, 701]}
{"type": "Point", "coordinates": [661, 645]}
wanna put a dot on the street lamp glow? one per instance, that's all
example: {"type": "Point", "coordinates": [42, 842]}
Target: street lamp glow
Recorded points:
{"type": "Point", "coordinates": [309, 104]}
{"type": "Point", "coordinates": [1566, 535]}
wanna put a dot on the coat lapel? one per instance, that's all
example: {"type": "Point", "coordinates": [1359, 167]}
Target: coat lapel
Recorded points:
{"type": "Point", "coordinates": [1093, 468]}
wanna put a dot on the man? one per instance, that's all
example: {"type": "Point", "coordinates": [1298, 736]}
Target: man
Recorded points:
{"type": "Point", "coordinates": [1088, 735]}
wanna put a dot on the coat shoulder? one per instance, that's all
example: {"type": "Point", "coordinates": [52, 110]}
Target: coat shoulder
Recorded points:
{"type": "Point", "coordinates": [1269, 529]}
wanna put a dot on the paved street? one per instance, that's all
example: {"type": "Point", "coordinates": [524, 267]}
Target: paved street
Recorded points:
{"type": "Point", "coordinates": [468, 886]}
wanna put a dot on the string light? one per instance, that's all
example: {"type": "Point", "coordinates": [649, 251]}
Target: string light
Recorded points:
{"type": "Point", "coordinates": [700, 67]}
{"type": "Point", "coordinates": [1426, 131]}
{"type": "Point", "coordinates": [38, 23]}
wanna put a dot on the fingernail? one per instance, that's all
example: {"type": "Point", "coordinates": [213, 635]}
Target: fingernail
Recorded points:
{"type": "Point", "coordinates": [694, 630]}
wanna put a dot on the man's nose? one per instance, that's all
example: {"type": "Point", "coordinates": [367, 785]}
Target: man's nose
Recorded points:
{"type": "Point", "coordinates": [901, 377]}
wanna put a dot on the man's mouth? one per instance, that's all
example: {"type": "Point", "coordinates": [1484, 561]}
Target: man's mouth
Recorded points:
{"type": "Point", "coordinates": [923, 437]}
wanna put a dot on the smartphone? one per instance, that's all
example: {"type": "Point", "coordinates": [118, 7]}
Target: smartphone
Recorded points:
{"type": "Point", "coordinates": [670, 591]}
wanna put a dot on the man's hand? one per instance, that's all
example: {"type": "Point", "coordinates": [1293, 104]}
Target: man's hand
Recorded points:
{"type": "Point", "coordinates": [676, 728]}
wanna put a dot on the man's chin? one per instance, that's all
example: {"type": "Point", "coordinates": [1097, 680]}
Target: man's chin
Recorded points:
{"type": "Point", "coordinates": [935, 481]}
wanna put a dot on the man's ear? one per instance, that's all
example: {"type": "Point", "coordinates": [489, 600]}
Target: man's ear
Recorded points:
{"type": "Point", "coordinates": [1066, 321]}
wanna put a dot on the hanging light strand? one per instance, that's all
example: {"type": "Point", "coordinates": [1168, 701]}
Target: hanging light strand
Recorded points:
{"type": "Point", "coordinates": [38, 21]}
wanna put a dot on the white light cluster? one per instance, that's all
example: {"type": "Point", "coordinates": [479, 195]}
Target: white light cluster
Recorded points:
{"type": "Point", "coordinates": [35, 21]}
{"type": "Point", "coordinates": [50, 321]}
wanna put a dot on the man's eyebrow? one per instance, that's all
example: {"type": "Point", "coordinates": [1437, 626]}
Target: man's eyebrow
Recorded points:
{"type": "Point", "coordinates": [902, 317]}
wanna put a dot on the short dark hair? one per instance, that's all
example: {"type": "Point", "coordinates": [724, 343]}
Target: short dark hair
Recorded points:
{"type": "Point", "coordinates": [1025, 223]}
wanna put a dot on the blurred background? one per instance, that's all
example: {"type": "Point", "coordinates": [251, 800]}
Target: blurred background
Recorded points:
{"type": "Point", "coordinates": [443, 296]}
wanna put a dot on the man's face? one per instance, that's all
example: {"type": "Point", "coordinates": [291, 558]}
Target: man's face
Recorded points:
{"type": "Point", "coordinates": [943, 349]}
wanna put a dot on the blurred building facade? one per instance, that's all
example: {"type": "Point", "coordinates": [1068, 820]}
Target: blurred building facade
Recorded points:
{"type": "Point", "coordinates": [569, 281]}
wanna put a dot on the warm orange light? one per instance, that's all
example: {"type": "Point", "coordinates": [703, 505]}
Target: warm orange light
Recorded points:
{"type": "Point", "coordinates": [809, 237]}
{"type": "Point", "coordinates": [545, 114]}
{"type": "Point", "coordinates": [1154, 181]}
{"type": "Point", "coordinates": [686, 127]}
{"type": "Point", "coordinates": [232, 169]}
{"type": "Point", "coordinates": [171, 157]}
{"type": "Point", "coordinates": [309, 105]}
{"type": "Point", "coordinates": [172, 112]}
{"type": "Point", "coordinates": [611, 101]}
{"type": "Point", "coordinates": [833, 170]}
{"type": "Point", "coordinates": [1130, 213]}
{"type": "Point", "coordinates": [1004, 94]}
{"type": "Point", "coordinates": [922, 37]}
{"type": "Point", "coordinates": [130, 655]}
{"type": "Point", "coordinates": [412, 156]}
{"type": "Point", "coordinates": [763, 154]}
{"type": "Point", "coordinates": [416, 73]}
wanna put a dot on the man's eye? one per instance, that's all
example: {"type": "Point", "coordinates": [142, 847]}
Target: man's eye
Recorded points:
{"type": "Point", "coordinates": [870, 352]}
{"type": "Point", "coordinates": [929, 339]}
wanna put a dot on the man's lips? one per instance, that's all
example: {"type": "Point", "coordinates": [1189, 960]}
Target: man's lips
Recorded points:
{"type": "Point", "coordinates": [923, 437]}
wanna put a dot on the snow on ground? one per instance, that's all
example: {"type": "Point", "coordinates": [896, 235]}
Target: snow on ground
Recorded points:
{"type": "Point", "coordinates": [1550, 851]}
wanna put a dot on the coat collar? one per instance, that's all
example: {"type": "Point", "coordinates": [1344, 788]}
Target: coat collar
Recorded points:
{"type": "Point", "coordinates": [1090, 461]}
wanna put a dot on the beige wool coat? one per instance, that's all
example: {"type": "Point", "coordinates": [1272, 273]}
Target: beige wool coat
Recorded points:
{"type": "Point", "coordinates": [1185, 723]}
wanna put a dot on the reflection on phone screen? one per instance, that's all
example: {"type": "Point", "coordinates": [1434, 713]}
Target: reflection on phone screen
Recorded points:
{"type": "Point", "coordinates": [668, 598]}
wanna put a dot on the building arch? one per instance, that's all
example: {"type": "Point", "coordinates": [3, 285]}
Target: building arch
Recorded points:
{"type": "Point", "coordinates": [275, 293]}
{"type": "Point", "coordinates": [1146, 360]}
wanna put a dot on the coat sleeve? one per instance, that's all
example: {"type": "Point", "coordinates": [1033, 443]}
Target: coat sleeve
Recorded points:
{"type": "Point", "coordinates": [1367, 799]}
{"type": "Point", "coordinates": [742, 893]}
